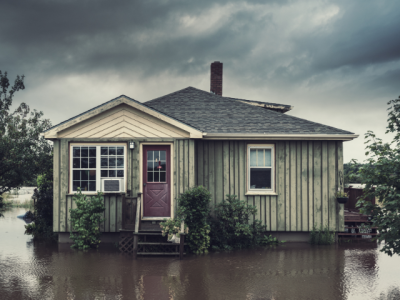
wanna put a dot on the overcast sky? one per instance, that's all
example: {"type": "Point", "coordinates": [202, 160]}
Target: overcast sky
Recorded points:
{"type": "Point", "coordinates": [336, 62]}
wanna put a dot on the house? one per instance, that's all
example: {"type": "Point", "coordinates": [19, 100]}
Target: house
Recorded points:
{"type": "Point", "coordinates": [288, 167]}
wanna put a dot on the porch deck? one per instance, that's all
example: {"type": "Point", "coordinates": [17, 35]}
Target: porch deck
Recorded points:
{"type": "Point", "coordinates": [355, 228]}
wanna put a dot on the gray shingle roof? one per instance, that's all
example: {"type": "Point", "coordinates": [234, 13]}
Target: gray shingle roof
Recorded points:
{"type": "Point", "coordinates": [215, 114]}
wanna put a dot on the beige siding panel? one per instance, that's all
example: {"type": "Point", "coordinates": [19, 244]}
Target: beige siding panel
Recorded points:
{"type": "Point", "coordinates": [206, 163]}
{"type": "Point", "coordinates": [186, 165]}
{"type": "Point", "coordinates": [242, 170]}
{"type": "Point", "coordinates": [107, 213]}
{"type": "Point", "coordinates": [191, 163]}
{"type": "Point", "coordinates": [341, 183]}
{"type": "Point", "coordinates": [317, 184]}
{"type": "Point", "coordinates": [287, 187]}
{"type": "Point", "coordinates": [324, 178]}
{"type": "Point", "coordinates": [114, 130]}
{"type": "Point", "coordinates": [56, 186]}
{"type": "Point", "coordinates": [180, 167]}
{"type": "Point", "coordinates": [219, 176]}
{"type": "Point", "coordinates": [299, 214]}
{"type": "Point", "coordinates": [293, 187]}
{"type": "Point", "coordinates": [310, 186]}
{"type": "Point", "coordinates": [135, 170]}
{"type": "Point", "coordinates": [304, 185]}
{"type": "Point", "coordinates": [236, 175]}
{"type": "Point", "coordinates": [225, 172]}
{"type": "Point", "coordinates": [332, 184]}
{"type": "Point", "coordinates": [211, 171]}
{"type": "Point", "coordinates": [143, 123]}
{"type": "Point", "coordinates": [113, 215]}
{"type": "Point", "coordinates": [119, 213]}
{"type": "Point", "coordinates": [200, 163]}
{"type": "Point", "coordinates": [280, 184]}
{"type": "Point", "coordinates": [64, 166]}
{"type": "Point", "coordinates": [231, 168]}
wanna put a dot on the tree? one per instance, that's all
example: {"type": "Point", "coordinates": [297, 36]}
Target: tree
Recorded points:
{"type": "Point", "coordinates": [381, 174]}
{"type": "Point", "coordinates": [23, 152]}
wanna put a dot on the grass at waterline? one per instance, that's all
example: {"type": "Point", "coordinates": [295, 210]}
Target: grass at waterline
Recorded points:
{"type": "Point", "coordinates": [8, 203]}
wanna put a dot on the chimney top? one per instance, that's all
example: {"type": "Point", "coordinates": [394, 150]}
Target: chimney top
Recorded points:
{"type": "Point", "coordinates": [216, 78]}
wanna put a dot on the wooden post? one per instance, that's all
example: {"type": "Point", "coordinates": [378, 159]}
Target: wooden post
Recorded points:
{"type": "Point", "coordinates": [137, 224]}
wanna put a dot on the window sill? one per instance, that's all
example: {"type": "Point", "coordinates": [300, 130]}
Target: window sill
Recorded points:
{"type": "Point", "coordinates": [95, 193]}
{"type": "Point", "coordinates": [261, 193]}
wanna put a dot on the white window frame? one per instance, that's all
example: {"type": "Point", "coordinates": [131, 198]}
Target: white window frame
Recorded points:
{"type": "Point", "coordinates": [98, 164]}
{"type": "Point", "coordinates": [271, 191]}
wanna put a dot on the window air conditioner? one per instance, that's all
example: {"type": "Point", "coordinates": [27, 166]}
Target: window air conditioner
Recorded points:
{"type": "Point", "coordinates": [109, 185]}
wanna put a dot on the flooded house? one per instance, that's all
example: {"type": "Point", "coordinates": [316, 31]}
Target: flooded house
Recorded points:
{"type": "Point", "coordinates": [288, 167]}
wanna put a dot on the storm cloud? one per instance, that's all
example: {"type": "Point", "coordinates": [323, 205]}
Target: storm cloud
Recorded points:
{"type": "Point", "coordinates": [336, 62]}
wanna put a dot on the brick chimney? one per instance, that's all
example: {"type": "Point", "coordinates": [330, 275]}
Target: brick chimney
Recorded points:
{"type": "Point", "coordinates": [216, 78]}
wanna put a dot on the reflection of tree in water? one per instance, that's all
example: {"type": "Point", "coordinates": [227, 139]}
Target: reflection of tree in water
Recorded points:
{"type": "Point", "coordinates": [392, 294]}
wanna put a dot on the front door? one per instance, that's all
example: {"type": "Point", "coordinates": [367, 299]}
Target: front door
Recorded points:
{"type": "Point", "coordinates": [156, 181]}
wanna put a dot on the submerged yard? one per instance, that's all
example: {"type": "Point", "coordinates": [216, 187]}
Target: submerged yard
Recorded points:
{"type": "Point", "coordinates": [37, 270]}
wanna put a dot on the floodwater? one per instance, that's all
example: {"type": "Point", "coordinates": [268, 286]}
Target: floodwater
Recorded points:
{"type": "Point", "coordinates": [34, 270]}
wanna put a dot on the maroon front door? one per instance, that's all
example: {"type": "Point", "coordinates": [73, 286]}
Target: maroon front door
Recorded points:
{"type": "Point", "coordinates": [156, 181]}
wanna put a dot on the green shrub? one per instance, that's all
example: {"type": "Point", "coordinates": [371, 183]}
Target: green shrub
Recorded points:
{"type": "Point", "coordinates": [233, 225]}
{"type": "Point", "coordinates": [194, 209]}
{"type": "Point", "coordinates": [170, 227]}
{"type": "Point", "coordinates": [322, 236]}
{"type": "Point", "coordinates": [42, 226]}
{"type": "Point", "coordinates": [85, 220]}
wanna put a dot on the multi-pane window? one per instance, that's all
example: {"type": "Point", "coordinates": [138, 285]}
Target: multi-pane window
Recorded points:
{"type": "Point", "coordinates": [89, 164]}
{"type": "Point", "coordinates": [156, 166]}
{"type": "Point", "coordinates": [84, 168]}
{"type": "Point", "coordinates": [260, 168]}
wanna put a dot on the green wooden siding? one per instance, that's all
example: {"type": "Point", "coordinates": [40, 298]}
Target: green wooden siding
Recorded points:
{"type": "Point", "coordinates": [306, 179]}
{"type": "Point", "coordinates": [183, 154]}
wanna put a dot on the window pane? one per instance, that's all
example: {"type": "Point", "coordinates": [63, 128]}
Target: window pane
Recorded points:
{"type": "Point", "coordinates": [84, 152]}
{"type": "Point", "coordinates": [84, 163]}
{"type": "Point", "coordinates": [253, 157]}
{"type": "Point", "coordinates": [104, 162]}
{"type": "Point", "coordinates": [85, 186]}
{"type": "Point", "coordinates": [104, 150]}
{"type": "Point", "coordinates": [162, 177]}
{"type": "Point", "coordinates": [104, 173]}
{"type": "Point", "coordinates": [111, 173]}
{"type": "Point", "coordinates": [260, 157]}
{"type": "Point", "coordinates": [156, 155]}
{"type": "Point", "coordinates": [84, 175]}
{"type": "Point", "coordinates": [120, 173]}
{"type": "Point", "coordinates": [76, 151]}
{"type": "Point", "coordinates": [149, 166]}
{"type": "Point", "coordinates": [149, 176]}
{"type": "Point", "coordinates": [111, 162]}
{"type": "Point", "coordinates": [92, 151]}
{"type": "Point", "coordinates": [112, 151]}
{"type": "Point", "coordinates": [120, 162]}
{"type": "Point", "coordinates": [162, 165]}
{"type": "Point", "coordinates": [162, 155]}
{"type": "Point", "coordinates": [76, 163]}
{"type": "Point", "coordinates": [150, 155]}
{"type": "Point", "coordinates": [156, 177]}
{"type": "Point", "coordinates": [260, 178]}
{"type": "Point", "coordinates": [120, 150]}
{"type": "Point", "coordinates": [76, 175]}
{"type": "Point", "coordinates": [92, 163]}
{"type": "Point", "coordinates": [92, 174]}
{"type": "Point", "coordinates": [92, 186]}
{"type": "Point", "coordinates": [267, 157]}
{"type": "Point", "coordinates": [75, 185]}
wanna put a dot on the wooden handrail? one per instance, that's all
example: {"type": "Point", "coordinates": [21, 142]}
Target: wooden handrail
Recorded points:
{"type": "Point", "coordinates": [138, 210]}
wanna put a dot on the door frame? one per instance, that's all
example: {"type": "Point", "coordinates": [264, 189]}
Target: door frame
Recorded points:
{"type": "Point", "coordinates": [172, 164]}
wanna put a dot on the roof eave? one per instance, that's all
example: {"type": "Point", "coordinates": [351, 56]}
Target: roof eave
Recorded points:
{"type": "Point", "coordinates": [282, 136]}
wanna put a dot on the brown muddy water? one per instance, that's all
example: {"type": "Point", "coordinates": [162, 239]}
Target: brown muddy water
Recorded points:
{"type": "Point", "coordinates": [34, 270]}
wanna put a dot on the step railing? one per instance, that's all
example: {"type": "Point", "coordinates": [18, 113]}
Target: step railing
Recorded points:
{"type": "Point", "coordinates": [137, 224]}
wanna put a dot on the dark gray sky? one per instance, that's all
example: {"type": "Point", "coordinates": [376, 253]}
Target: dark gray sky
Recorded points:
{"type": "Point", "coordinates": [336, 62]}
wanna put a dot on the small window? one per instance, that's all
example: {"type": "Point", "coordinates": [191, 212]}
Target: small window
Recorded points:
{"type": "Point", "coordinates": [91, 163]}
{"type": "Point", "coordinates": [260, 168]}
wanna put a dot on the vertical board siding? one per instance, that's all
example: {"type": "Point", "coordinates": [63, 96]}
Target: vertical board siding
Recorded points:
{"type": "Point", "coordinates": [56, 186]}
{"type": "Point", "coordinates": [306, 178]}
{"type": "Point", "coordinates": [185, 162]}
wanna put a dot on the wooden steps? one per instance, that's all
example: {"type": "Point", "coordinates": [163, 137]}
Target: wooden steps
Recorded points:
{"type": "Point", "coordinates": [354, 229]}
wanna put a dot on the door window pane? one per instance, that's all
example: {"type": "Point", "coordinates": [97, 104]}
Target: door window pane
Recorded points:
{"type": "Point", "coordinates": [162, 155]}
{"type": "Point", "coordinates": [149, 176]}
{"type": "Point", "coordinates": [162, 177]}
{"type": "Point", "coordinates": [149, 155]}
{"type": "Point", "coordinates": [156, 176]}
